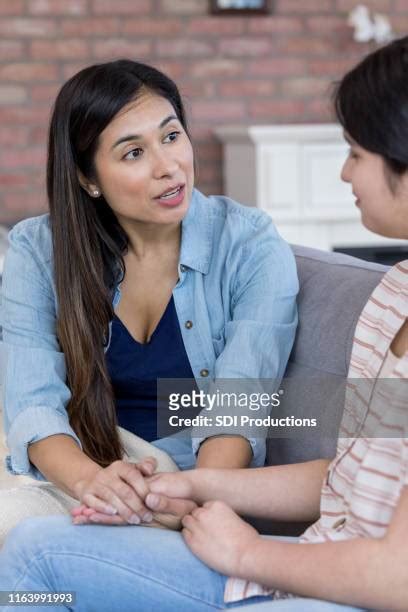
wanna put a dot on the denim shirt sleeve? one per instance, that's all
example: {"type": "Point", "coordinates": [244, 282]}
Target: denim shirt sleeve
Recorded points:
{"type": "Point", "coordinates": [34, 373]}
{"type": "Point", "coordinates": [261, 332]}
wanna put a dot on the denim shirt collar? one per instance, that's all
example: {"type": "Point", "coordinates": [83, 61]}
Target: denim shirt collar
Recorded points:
{"type": "Point", "coordinates": [196, 232]}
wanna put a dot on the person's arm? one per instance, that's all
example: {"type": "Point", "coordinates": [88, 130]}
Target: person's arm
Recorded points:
{"type": "Point", "coordinates": [284, 492]}
{"type": "Point", "coordinates": [366, 572]}
{"type": "Point", "coordinates": [62, 462]}
{"type": "Point", "coordinates": [224, 452]}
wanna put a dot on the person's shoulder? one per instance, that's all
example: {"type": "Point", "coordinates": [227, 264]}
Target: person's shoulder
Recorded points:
{"type": "Point", "coordinates": [34, 234]}
{"type": "Point", "coordinates": [236, 215]}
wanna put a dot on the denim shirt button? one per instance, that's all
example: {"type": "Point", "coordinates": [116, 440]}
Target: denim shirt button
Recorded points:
{"type": "Point", "coordinates": [188, 324]}
{"type": "Point", "coordinates": [183, 268]}
{"type": "Point", "coordinates": [204, 372]}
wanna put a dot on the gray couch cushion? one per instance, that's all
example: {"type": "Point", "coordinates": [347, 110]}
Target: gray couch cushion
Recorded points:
{"type": "Point", "coordinates": [333, 291]}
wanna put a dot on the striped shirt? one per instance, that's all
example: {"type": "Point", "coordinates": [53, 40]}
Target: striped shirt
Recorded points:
{"type": "Point", "coordinates": [364, 481]}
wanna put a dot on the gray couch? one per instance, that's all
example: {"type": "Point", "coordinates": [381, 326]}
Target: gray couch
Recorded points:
{"type": "Point", "coordinates": [333, 291]}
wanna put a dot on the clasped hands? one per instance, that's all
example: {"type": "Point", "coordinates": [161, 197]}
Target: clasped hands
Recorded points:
{"type": "Point", "coordinates": [126, 493]}
{"type": "Point", "coordinates": [121, 495]}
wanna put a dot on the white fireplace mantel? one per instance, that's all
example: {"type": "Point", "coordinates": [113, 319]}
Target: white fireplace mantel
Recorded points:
{"type": "Point", "coordinates": [293, 173]}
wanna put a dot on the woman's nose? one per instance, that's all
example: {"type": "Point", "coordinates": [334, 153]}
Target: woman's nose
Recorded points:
{"type": "Point", "coordinates": [164, 164]}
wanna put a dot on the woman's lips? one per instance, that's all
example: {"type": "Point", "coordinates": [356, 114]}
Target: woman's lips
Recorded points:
{"type": "Point", "coordinates": [173, 200]}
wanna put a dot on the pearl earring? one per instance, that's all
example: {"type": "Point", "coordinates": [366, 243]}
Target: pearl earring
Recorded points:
{"type": "Point", "coordinates": [95, 193]}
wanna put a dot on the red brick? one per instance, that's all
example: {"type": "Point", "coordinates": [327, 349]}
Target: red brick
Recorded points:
{"type": "Point", "coordinates": [197, 89]}
{"type": "Point", "coordinates": [374, 5]}
{"type": "Point", "coordinates": [121, 7]}
{"type": "Point", "coordinates": [45, 93]}
{"type": "Point", "coordinates": [246, 47]}
{"type": "Point", "coordinates": [277, 66]}
{"type": "Point", "coordinates": [12, 27]}
{"type": "Point", "coordinates": [247, 88]}
{"type": "Point", "coordinates": [12, 94]}
{"type": "Point", "coordinates": [208, 173]}
{"type": "Point", "coordinates": [183, 48]}
{"type": "Point", "coordinates": [275, 25]}
{"type": "Point", "coordinates": [173, 69]}
{"type": "Point", "coordinates": [306, 45]}
{"type": "Point", "coordinates": [64, 48]}
{"type": "Point", "coordinates": [12, 8]}
{"type": "Point", "coordinates": [277, 109]}
{"type": "Point", "coordinates": [209, 151]}
{"type": "Point", "coordinates": [14, 135]}
{"type": "Point", "coordinates": [153, 26]}
{"type": "Point", "coordinates": [331, 67]}
{"type": "Point", "coordinates": [214, 26]}
{"type": "Point", "coordinates": [33, 157]}
{"type": "Point", "coordinates": [34, 71]}
{"type": "Point", "coordinates": [400, 24]}
{"type": "Point", "coordinates": [183, 7]}
{"type": "Point", "coordinates": [400, 6]}
{"type": "Point", "coordinates": [95, 26]}
{"type": "Point", "coordinates": [17, 206]}
{"type": "Point", "coordinates": [15, 180]}
{"type": "Point", "coordinates": [30, 115]}
{"type": "Point", "coordinates": [218, 111]}
{"type": "Point", "coordinates": [57, 7]}
{"type": "Point", "coordinates": [216, 68]}
{"type": "Point", "coordinates": [120, 47]}
{"type": "Point", "coordinates": [71, 68]}
{"type": "Point", "coordinates": [11, 49]}
{"type": "Point", "coordinates": [320, 110]}
{"type": "Point", "coordinates": [325, 25]}
{"type": "Point", "coordinates": [303, 6]}
{"type": "Point", "coordinates": [39, 135]}
{"type": "Point", "coordinates": [305, 87]}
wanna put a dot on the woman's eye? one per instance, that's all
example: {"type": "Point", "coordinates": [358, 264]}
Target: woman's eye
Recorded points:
{"type": "Point", "coordinates": [172, 136]}
{"type": "Point", "coordinates": [352, 154]}
{"type": "Point", "coordinates": [133, 154]}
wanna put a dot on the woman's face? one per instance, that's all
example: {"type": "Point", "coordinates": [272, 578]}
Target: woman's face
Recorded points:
{"type": "Point", "coordinates": [144, 163]}
{"type": "Point", "coordinates": [383, 211]}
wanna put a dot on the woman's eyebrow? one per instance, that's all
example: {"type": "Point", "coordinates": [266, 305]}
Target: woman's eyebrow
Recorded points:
{"type": "Point", "coordinates": [139, 136]}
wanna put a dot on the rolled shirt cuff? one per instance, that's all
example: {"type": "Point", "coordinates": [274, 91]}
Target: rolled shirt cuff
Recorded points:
{"type": "Point", "coordinates": [29, 426]}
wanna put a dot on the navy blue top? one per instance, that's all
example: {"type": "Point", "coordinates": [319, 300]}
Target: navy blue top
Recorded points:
{"type": "Point", "coordinates": [134, 369]}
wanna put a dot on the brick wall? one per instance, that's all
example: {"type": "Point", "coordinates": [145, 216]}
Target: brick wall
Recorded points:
{"type": "Point", "coordinates": [266, 69]}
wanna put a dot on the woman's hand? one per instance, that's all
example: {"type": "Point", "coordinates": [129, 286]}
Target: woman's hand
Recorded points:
{"type": "Point", "coordinates": [219, 537]}
{"type": "Point", "coordinates": [168, 512]}
{"type": "Point", "coordinates": [115, 495]}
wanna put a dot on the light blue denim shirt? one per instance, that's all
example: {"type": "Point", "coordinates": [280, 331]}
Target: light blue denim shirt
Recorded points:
{"type": "Point", "coordinates": [237, 286]}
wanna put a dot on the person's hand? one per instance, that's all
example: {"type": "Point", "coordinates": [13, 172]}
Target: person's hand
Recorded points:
{"type": "Point", "coordinates": [115, 495]}
{"type": "Point", "coordinates": [219, 537]}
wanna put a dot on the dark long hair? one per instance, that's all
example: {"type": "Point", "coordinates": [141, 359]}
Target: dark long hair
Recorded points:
{"type": "Point", "coordinates": [371, 103]}
{"type": "Point", "coordinates": [88, 242]}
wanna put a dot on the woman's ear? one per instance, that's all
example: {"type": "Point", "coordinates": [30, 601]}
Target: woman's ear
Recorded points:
{"type": "Point", "coordinates": [89, 187]}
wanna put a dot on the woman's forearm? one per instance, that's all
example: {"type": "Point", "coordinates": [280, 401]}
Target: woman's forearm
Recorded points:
{"type": "Point", "coordinates": [361, 572]}
{"type": "Point", "coordinates": [284, 492]}
{"type": "Point", "coordinates": [62, 462]}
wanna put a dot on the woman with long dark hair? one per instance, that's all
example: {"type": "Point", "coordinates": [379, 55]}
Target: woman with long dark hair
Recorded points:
{"type": "Point", "coordinates": [356, 551]}
{"type": "Point", "coordinates": [134, 276]}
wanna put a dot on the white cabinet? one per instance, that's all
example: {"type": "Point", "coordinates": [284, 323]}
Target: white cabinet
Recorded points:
{"type": "Point", "coordinates": [293, 173]}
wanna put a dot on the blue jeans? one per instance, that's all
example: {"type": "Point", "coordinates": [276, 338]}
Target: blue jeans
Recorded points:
{"type": "Point", "coordinates": [116, 569]}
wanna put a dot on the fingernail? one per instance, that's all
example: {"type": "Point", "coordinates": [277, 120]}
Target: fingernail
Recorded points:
{"type": "Point", "coordinates": [147, 517]}
{"type": "Point", "coordinates": [94, 518]}
{"type": "Point", "coordinates": [134, 519]}
{"type": "Point", "coordinates": [110, 510]}
{"type": "Point", "coordinates": [153, 500]}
